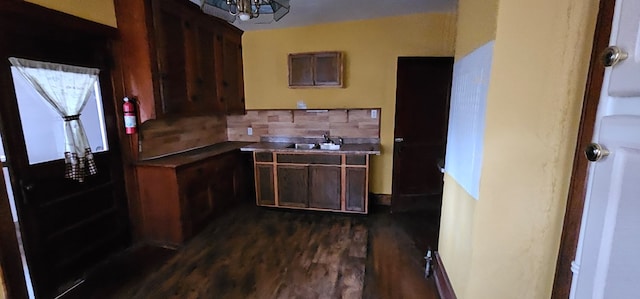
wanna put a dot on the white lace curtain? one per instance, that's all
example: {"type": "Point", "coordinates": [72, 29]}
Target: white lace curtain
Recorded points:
{"type": "Point", "coordinates": [66, 88]}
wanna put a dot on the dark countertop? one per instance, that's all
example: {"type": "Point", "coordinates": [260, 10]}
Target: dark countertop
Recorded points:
{"type": "Point", "coordinates": [359, 148]}
{"type": "Point", "coordinates": [194, 155]}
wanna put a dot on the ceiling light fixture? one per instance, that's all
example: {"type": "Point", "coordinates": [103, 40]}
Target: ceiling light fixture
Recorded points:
{"type": "Point", "coordinates": [246, 9]}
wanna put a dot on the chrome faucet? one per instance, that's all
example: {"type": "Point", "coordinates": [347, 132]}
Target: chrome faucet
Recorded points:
{"type": "Point", "coordinates": [326, 138]}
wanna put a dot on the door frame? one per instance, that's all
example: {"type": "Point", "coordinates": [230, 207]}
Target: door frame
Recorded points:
{"type": "Point", "coordinates": [10, 258]}
{"type": "Point", "coordinates": [580, 171]}
{"type": "Point", "coordinates": [22, 12]}
{"type": "Point", "coordinates": [431, 205]}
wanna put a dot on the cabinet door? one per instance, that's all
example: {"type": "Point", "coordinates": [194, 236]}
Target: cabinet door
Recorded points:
{"type": "Point", "coordinates": [232, 83]}
{"type": "Point", "coordinates": [170, 36]}
{"type": "Point", "coordinates": [356, 189]}
{"type": "Point", "coordinates": [206, 81]}
{"type": "Point", "coordinates": [195, 198]}
{"type": "Point", "coordinates": [300, 70]}
{"type": "Point", "coordinates": [191, 66]}
{"type": "Point", "coordinates": [324, 186]}
{"type": "Point", "coordinates": [293, 185]}
{"type": "Point", "coordinates": [328, 69]}
{"type": "Point", "coordinates": [200, 68]}
{"type": "Point", "coordinates": [264, 185]}
{"type": "Point", "coordinates": [221, 183]}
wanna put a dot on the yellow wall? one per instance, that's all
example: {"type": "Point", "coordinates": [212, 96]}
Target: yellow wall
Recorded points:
{"type": "Point", "coordinates": [371, 49]}
{"type": "Point", "coordinates": [100, 11]}
{"type": "Point", "coordinates": [3, 287]}
{"type": "Point", "coordinates": [509, 239]}
{"type": "Point", "coordinates": [476, 25]}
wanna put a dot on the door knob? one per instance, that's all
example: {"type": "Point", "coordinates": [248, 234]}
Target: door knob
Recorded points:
{"type": "Point", "coordinates": [612, 55]}
{"type": "Point", "coordinates": [398, 139]}
{"type": "Point", "coordinates": [594, 152]}
{"type": "Point", "coordinates": [29, 187]}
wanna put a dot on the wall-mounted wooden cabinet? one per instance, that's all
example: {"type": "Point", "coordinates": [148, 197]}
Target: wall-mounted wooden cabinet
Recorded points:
{"type": "Point", "coordinates": [320, 69]}
{"type": "Point", "coordinates": [194, 64]}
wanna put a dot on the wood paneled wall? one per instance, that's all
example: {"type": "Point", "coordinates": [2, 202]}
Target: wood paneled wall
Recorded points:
{"type": "Point", "coordinates": [351, 123]}
{"type": "Point", "coordinates": [167, 136]}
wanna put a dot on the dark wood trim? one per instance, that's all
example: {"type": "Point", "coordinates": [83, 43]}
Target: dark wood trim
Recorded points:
{"type": "Point", "coordinates": [128, 143]}
{"type": "Point", "coordinates": [443, 284]}
{"type": "Point", "coordinates": [10, 259]}
{"type": "Point", "coordinates": [578, 184]}
{"type": "Point", "coordinates": [380, 199]}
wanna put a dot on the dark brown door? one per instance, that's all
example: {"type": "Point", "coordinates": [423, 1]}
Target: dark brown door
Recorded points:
{"type": "Point", "coordinates": [422, 110]}
{"type": "Point", "coordinates": [67, 227]}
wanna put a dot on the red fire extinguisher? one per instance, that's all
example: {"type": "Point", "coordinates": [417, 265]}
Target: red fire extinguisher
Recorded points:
{"type": "Point", "coordinates": [129, 116]}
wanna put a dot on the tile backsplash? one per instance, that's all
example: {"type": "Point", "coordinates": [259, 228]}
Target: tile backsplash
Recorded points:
{"type": "Point", "coordinates": [349, 123]}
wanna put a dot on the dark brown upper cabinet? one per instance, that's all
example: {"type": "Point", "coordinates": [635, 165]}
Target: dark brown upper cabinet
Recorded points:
{"type": "Point", "coordinates": [232, 82]}
{"type": "Point", "coordinates": [195, 64]}
{"type": "Point", "coordinates": [318, 69]}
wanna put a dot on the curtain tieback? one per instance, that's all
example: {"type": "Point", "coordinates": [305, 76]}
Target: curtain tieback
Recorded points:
{"type": "Point", "coordinates": [71, 117]}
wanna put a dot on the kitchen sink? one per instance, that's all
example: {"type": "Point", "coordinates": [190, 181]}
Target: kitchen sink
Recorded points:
{"type": "Point", "coordinates": [329, 146]}
{"type": "Point", "coordinates": [304, 146]}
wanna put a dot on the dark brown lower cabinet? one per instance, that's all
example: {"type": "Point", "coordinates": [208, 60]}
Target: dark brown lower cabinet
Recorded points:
{"type": "Point", "coordinates": [293, 185]}
{"type": "Point", "coordinates": [356, 193]}
{"type": "Point", "coordinates": [325, 187]}
{"type": "Point", "coordinates": [264, 185]}
{"type": "Point", "coordinates": [328, 182]}
{"type": "Point", "coordinates": [194, 188]}
{"type": "Point", "coordinates": [179, 196]}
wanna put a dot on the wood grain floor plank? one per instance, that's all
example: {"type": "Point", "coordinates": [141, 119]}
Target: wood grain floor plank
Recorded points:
{"type": "Point", "coordinates": [256, 252]}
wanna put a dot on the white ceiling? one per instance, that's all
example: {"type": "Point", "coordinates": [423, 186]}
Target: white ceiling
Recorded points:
{"type": "Point", "coordinates": [309, 12]}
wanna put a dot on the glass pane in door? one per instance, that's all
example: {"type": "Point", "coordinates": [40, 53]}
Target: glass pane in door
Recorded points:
{"type": "Point", "coordinates": [44, 128]}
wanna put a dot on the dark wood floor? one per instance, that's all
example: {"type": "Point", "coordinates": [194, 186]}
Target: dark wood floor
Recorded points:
{"type": "Point", "coordinates": [250, 252]}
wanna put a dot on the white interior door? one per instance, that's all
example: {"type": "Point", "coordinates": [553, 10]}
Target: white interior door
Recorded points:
{"type": "Point", "coordinates": [607, 263]}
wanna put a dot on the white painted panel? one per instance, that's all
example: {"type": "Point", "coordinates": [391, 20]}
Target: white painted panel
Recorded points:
{"type": "Point", "coordinates": [619, 270]}
{"type": "Point", "coordinates": [467, 118]}
{"type": "Point", "coordinates": [610, 265]}
{"type": "Point", "coordinates": [624, 80]}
